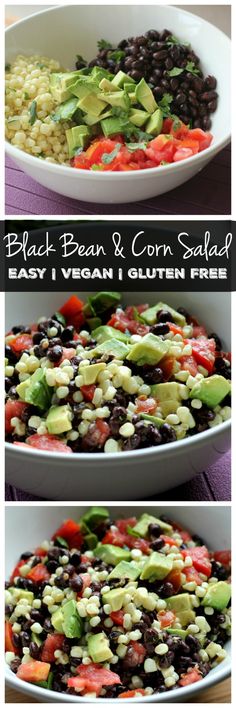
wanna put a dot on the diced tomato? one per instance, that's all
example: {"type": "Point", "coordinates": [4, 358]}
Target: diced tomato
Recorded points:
{"type": "Point", "coordinates": [166, 365]}
{"type": "Point", "coordinates": [185, 535]}
{"type": "Point", "coordinates": [86, 578]}
{"type": "Point", "coordinates": [166, 618]}
{"type": "Point", "coordinates": [175, 328]}
{"type": "Point", "coordinates": [123, 323]}
{"type": "Point", "coordinates": [192, 676]}
{"type": "Point", "coordinates": [223, 557]}
{"type": "Point", "coordinates": [33, 671]}
{"type": "Point", "coordinates": [39, 573]}
{"type": "Point", "coordinates": [174, 577]}
{"type": "Point", "coordinates": [200, 557]}
{"type": "Point", "coordinates": [15, 572]}
{"type": "Point", "coordinates": [199, 331]}
{"type": "Point", "coordinates": [139, 652]}
{"type": "Point", "coordinates": [21, 342]}
{"type": "Point", "coordinates": [40, 552]}
{"type": "Point", "coordinates": [48, 442]}
{"type": "Point", "coordinates": [182, 153]}
{"type": "Point", "coordinates": [70, 531]}
{"type": "Point", "coordinates": [92, 678]}
{"type": "Point", "coordinates": [122, 524]}
{"type": "Point", "coordinates": [192, 575]}
{"type": "Point", "coordinates": [9, 646]}
{"type": "Point", "coordinates": [13, 409]}
{"type": "Point", "coordinates": [188, 363]}
{"type": "Point", "coordinates": [204, 139]}
{"type": "Point", "coordinates": [145, 405]}
{"type": "Point", "coordinates": [132, 693]}
{"type": "Point", "coordinates": [168, 539]}
{"type": "Point", "coordinates": [67, 353]}
{"type": "Point", "coordinates": [72, 311]}
{"type": "Point", "coordinates": [88, 391]}
{"type": "Point", "coordinates": [122, 539]}
{"type": "Point", "coordinates": [51, 643]}
{"type": "Point", "coordinates": [203, 350]}
{"type": "Point", "coordinates": [130, 310]}
{"type": "Point", "coordinates": [97, 434]}
{"type": "Point", "coordinates": [117, 617]}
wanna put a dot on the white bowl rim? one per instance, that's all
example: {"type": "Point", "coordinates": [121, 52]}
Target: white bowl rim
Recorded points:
{"type": "Point", "coordinates": [123, 456]}
{"type": "Point", "coordinates": [136, 174]}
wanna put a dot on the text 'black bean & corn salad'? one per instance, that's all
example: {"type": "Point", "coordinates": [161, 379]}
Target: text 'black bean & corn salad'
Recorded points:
{"type": "Point", "coordinates": [122, 608]}
{"type": "Point", "coordinates": [99, 376]}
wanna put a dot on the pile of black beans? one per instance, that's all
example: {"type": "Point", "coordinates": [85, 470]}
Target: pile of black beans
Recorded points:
{"type": "Point", "coordinates": [152, 56]}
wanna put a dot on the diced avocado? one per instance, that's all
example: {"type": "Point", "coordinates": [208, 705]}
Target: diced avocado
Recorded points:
{"type": "Point", "coordinates": [60, 84]}
{"type": "Point", "coordinates": [37, 392]}
{"type": "Point", "coordinates": [150, 350]}
{"type": "Point", "coordinates": [95, 516]}
{"type": "Point", "coordinates": [90, 373]}
{"type": "Point", "coordinates": [84, 87]}
{"type": "Point", "coordinates": [125, 570]}
{"type": "Point", "coordinates": [155, 123]}
{"type": "Point", "coordinates": [182, 607]}
{"type": "Point", "coordinates": [157, 567]}
{"type": "Point", "coordinates": [105, 332]}
{"type": "Point", "coordinates": [128, 87]}
{"type": "Point", "coordinates": [58, 420]}
{"type": "Point", "coordinates": [152, 419]}
{"type": "Point", "coordinates": [120, 78]}
{"type": "Point", "coordinates": [35, 638]}
{"type": "Point", "coordinates": [110, 126]}
{"type": "Point", "coordinates": [132, 97]}
{"type": "Point", "coordinates": [217, 595]}
{"type": "Point", "coordinates": [212, 390]}
{"type": "Point", "coordinates": [103, 301]}
{"type": "Point", "coordinates": [22, 594]}
{"type": "Point", "coordinates": [120, 99]}
{"type": "Point", "coordinates": [90, 119]}
{"type": "Point", "coordinates": [115, 598]}
{"type": "Point", "coordinates": [92, 104]}
{"type": "Point", "coordinates": [177, 632]}
{"type": "Point", "coordinates": [112, 555]}
{"type": "Point", "coordinates": [66, 110]}
{"type": "Point", "coordinates": [77, 137]}
{"type": "Point", "coordinates": [145, 96]}
{"type": "Point", "coordinates": [98, 74]}
{"type": "Point", "coordinates": [166, 391]}
{"type": "Point", "coordinates": [150, 315]}
{"type": "Point", "coordinates": [168, 407]}
{"type": "Point", "coordinates": [98, 648]}
{"type": "Point", "coordinates": [72, 622]}
{"type": "Point", "coordinates": [114, 347]}
{"type": "Point", "coordinates": [138, 117]}
{"type": "Point", "coordinates": [57, 619]}
{"type": "Point", "coordinates": [106, 85]}
{"type": "Point", "coordinates": [91, 540]}
{"type": "Point", "coordinates": [141, 528]}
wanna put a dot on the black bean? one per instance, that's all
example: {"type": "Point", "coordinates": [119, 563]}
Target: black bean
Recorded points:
{"type": "Point", "coordinates": [174, 84]}
{"type": "Point", "coordinates": [152, 375]}
{"type": "Point", "coordinates": [52, 565]}
{"type": "Point", "coordinates": [131, 443]}
{"type": "Point", "coordinates": [210, 83]}
{"type": "Point", "coordinates": [166, 660]}
{"type": "Point", "coordinates": [16, 640]}
{"type": "Point", "coordinates": [34, 650]}
{"type": "Point", "coordinates": [37, 337]}
{"type": "Point", "coordinates": [25, 639]}
{"type": "Point", "coordinates": [14, 665]}
{"type": "Point", "coordinates": [166, 589]}
{"type": "Point", "coordinates": [47, 625]}
{"type": "Point", "coordinates": [75, 559]}
{"type": "Point", "coordinates": [67, 333]}
{"type": "Point", "coordinates": [157, 545]}
{"type": "Point", "coordinates": [136, 75]}
{"type": "Point", "coordinates": [150, 640]}
{"type": "Point", "coordinates": [36, 616]}
{"type": "Point", "coordinates": [160, 55]}
{"type": "Point", "coordinates": [82, 568]}
{"type": "Point", "coordinates": [168, 434]}
{"type": "Point", "coordinates": [193, 642]}
{"type": "Point", "coordinates": [154, 530]}
{"type": "Point", "coordinates": [208, 96]}
{"type": "Point", "coordinates": [206, 123]}
{"type": "Point", "coordinates": [24, 583]}
{"type": "Point", "coordinates": [217, 339]}
{"type": "Point", "coordinates": [160, 329]}
{"type": "Point", "coordinates": [164, 316]}
{"type": "Point", "coordinates": [9, 354]}
{"type": "Point", "coordinates": [76, 583]}
{"type": "Point", "coordinates": [55, 353]}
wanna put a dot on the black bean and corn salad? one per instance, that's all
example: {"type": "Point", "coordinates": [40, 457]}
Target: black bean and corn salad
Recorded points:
{"type": "Point", "coordinates": [102, 377]}
{"type": "Point", "coordinates": [142, 104]}
{"type": "Point", "coordinates": [123, 608]}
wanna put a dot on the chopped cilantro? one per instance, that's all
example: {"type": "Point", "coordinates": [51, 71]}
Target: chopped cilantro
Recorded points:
{"type": "Point", "coordinates": [117, 55]}
{"type": "Point", "coordinates": [135, 146]}
{"type": "Point", "coordinates": [33, 112]}
{"type": "Point", "coordinates": [176, 71]}
{"type": "Point", "coordinates": [110, 156]}
{"type": "Point", "coordinates": [192, 68]}
{"type": "Point", "coordinates": [103, 44]}
{"type": "Point", "coordinates": [95, 168]}
{"type": "Point", "coordinates": [80, 59]}
{"type": "Point", "coordinates": [77, 151]}
{"type": "Point", "coordinates": [171, 40]}
{"type": "Point", "coordinates": [164, 104]}
{"type": "Point", "coordinates": [177, 123]}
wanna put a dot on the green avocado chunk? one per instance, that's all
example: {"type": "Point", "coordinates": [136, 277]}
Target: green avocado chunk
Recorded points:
{"type": "Point", "coordinates": [60, 84]}
{"type": "Point", "coordinates": [150, 350]}
{"type": "Point", "coordinates": [105, 332]}
{"type": "Point", "coordinates": [155, 123]}
{"type": "Point", "coordinates": [77, 137]}
{"type": "Point", "coordinates": [95, 516]}
{"type": "Point", "coordinates": [66, 110]}
{"type": "Point", "coordinates": [217, 595]}
{"type": "Point", "coordinates": [166, 391]}
{"type": "Point", "coordinates": [141, 528]}
{"type": "Point", "coordinates": [20, 594]}
{"type": "Point", "coordinates": [211, 390]}
{"type": "Point", "coordinates": [145, 96]}
{"type": "Point", "coordinates": [115, 598]}
{"type": "Point", "coordinates": [103, 301]}
{"type": "Point", "coordinates": [120, 78]}
{"type": "Point", "coordinates": [138, 117]}
{"type": "Point", "coordinates": [91, 540]}
{"type": "Point", "coordinates": [120, 99]}
{"type": "Point", "coordinates": [157, 567]}
{"type": "Point", "coordinates": [66, 620]}
{"type": "Point", "coordinates": [35, 390]}
{"type": "Point", "coordinates": [150, 315]}
{"type": "Point", "coordinates": [181, 605]}
{"type": "Point", "coordinates": [125, 570]}
{"type": "Point", "coordinates": [152, 419]}
{"type": "Point", "coordinates": [58, 420]}
{"type": "Point", "coordinates": [90, 372]}
{"type": "Point", "coordinates": [112, 555]}
{"type": "Point", "coordinates": [177, 632]}
{"type": "Point", "coordinates": [114, 347]}
{"type": "Point", "coordinates": [98, 648]}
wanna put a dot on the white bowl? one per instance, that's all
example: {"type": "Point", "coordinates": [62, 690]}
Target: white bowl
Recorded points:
{"type": "Point", "coordinates": [63, 32]}
{"type": "Point", "coordinates": [125, 475]}
{"type": "Point", "coordinates": [39, 523]}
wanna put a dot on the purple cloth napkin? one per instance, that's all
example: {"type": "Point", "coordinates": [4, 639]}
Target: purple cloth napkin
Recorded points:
{"type": "Point", "coordinates": [212, 485]}
{"type": "Point", "coordinates": [206, 193]}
